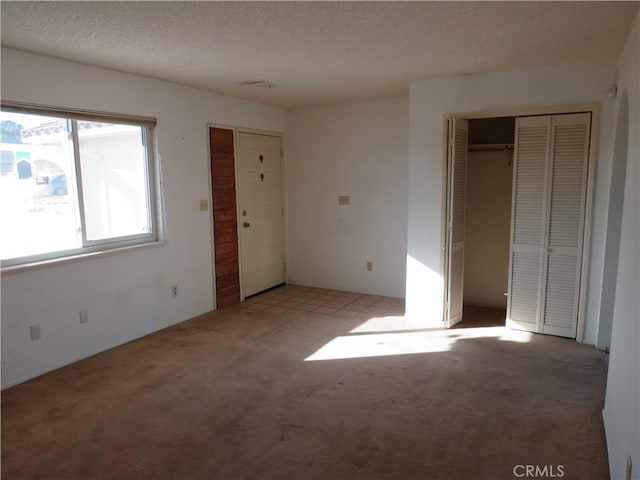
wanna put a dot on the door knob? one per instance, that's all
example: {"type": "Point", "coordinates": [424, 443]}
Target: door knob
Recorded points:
{"type": "Point", "coordinates": [246, 224]}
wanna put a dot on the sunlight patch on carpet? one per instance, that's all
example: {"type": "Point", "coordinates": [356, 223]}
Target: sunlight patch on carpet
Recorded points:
{"type": "Point", "coordinates": [385, 336]}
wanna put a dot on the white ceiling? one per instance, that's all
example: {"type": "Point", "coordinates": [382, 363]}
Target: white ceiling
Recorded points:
{"type": "Point", "coordinates": [317, 52]}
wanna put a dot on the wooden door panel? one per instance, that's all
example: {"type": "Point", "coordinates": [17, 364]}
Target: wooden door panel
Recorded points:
{"type": "Point", "coordinates": [225, 231]}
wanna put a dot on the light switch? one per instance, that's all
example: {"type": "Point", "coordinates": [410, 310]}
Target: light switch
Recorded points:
{"type": "Point", "coordinates": [204, 205]}
{"type": "Point", "coordinates": [344, 200]}
{"type": "Point", "coordinates": [34, 330]}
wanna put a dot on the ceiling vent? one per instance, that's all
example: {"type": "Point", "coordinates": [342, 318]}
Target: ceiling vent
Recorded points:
{"type": "Point", "coordinates": [258, 84]}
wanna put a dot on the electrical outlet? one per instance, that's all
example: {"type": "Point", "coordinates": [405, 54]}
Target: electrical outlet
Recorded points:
{"type": "Point", "coordinates": [629, 468]}
{"type": "Point", "coordinates": [344, 200]}
{"type": "Point", "coordinates": [204, 205]}
{"type": "Point", "coordinates": [174, 290]}
{"type": "Point", "coordinates": [34, 330]}
{"type": "Point", "coordinates": [369, 266]}
{"type": "Point", "coordinates": [84, 315]}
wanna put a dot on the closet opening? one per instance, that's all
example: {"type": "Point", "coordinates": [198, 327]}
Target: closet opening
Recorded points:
{"type": "Point", "coordinates": [519, 201]}
{"type": "Point", "coordinates": [487, 221]}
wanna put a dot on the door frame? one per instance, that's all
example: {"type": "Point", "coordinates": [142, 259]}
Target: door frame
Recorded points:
{"type": "Point", "coordinates": [594, 109]}
{"type": "Point", "coordinates": [237, 129]}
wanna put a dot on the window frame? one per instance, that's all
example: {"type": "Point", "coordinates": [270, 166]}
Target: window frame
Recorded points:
{"type": "Point", "coordinates": [152, 181]}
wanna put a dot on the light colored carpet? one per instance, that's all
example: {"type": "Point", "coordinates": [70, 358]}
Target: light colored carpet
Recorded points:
{"type": "Point", "coordinates": [246, 393]}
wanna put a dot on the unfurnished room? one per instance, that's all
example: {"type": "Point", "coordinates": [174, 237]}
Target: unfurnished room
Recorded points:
{"type": "Point", "coordinates": [320, 240]}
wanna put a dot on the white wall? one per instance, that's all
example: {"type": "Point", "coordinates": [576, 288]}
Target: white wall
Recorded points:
{"type": "Point", "coordinates": [430, 101]}
{"type": "Point", "coordinates": [622, 403]}
{"type": "Point", "coordinates": [487, 228]}
{"type": "Point", "coordinates": [358, 149]}
{"type": "Point", "coordinates": [127, 294]}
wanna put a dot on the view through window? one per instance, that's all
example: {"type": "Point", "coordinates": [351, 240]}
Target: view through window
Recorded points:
{"type": "Point", "coordinates": [68, 186]}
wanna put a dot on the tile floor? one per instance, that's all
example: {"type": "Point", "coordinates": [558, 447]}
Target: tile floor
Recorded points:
{"type": "Point", "coordinates": [319, 300]}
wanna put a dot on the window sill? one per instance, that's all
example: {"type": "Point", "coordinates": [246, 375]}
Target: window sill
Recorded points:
{"type": "Point", "coordinates": [54, 262]}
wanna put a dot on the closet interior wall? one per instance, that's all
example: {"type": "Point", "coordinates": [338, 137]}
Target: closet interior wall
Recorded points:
{"type": "Point", "coordinates": [488, 211]}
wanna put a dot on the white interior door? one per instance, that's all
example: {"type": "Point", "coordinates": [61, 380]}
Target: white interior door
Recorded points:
{"type": "Point", "coordinates": [548, 217]}
{"type": "Point", "coordinates": [457, 167]}
{"type": "Point", "coordinates": [566, 210]}
{"type": "Point", "coordinates": [528, 221]}
{"type": "Point", "coordinates": [260, 212]}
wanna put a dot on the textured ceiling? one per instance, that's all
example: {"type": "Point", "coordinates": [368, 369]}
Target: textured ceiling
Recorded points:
{"type": "Point", "coordinates": [317, 52]}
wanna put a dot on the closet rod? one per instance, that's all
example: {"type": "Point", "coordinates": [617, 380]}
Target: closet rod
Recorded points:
{"type": "Point", "coordinates": [491, 147]}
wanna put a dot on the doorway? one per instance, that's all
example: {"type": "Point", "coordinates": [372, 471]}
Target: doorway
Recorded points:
{"type": "Point", "coordinates": [518, 208]}
{"type": "Point", "coordinates": [248, 213]}
{"type": "Point", "coordinates": [487, 220]}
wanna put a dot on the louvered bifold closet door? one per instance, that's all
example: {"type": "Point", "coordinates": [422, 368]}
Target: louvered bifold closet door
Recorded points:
{"type": "Point", "coordinates": [457, 164]}
{"type": "Point", "coordinates": [528, 221]}
{"type": "Point", "coordinates": [564, 235]}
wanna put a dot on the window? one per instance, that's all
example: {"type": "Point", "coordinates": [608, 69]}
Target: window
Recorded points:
{"type": "Point", "coordinates": [73, 182]}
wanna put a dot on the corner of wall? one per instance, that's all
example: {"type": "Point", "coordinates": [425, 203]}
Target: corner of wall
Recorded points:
{"type": "Point", "coordinates": [621, 414]}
